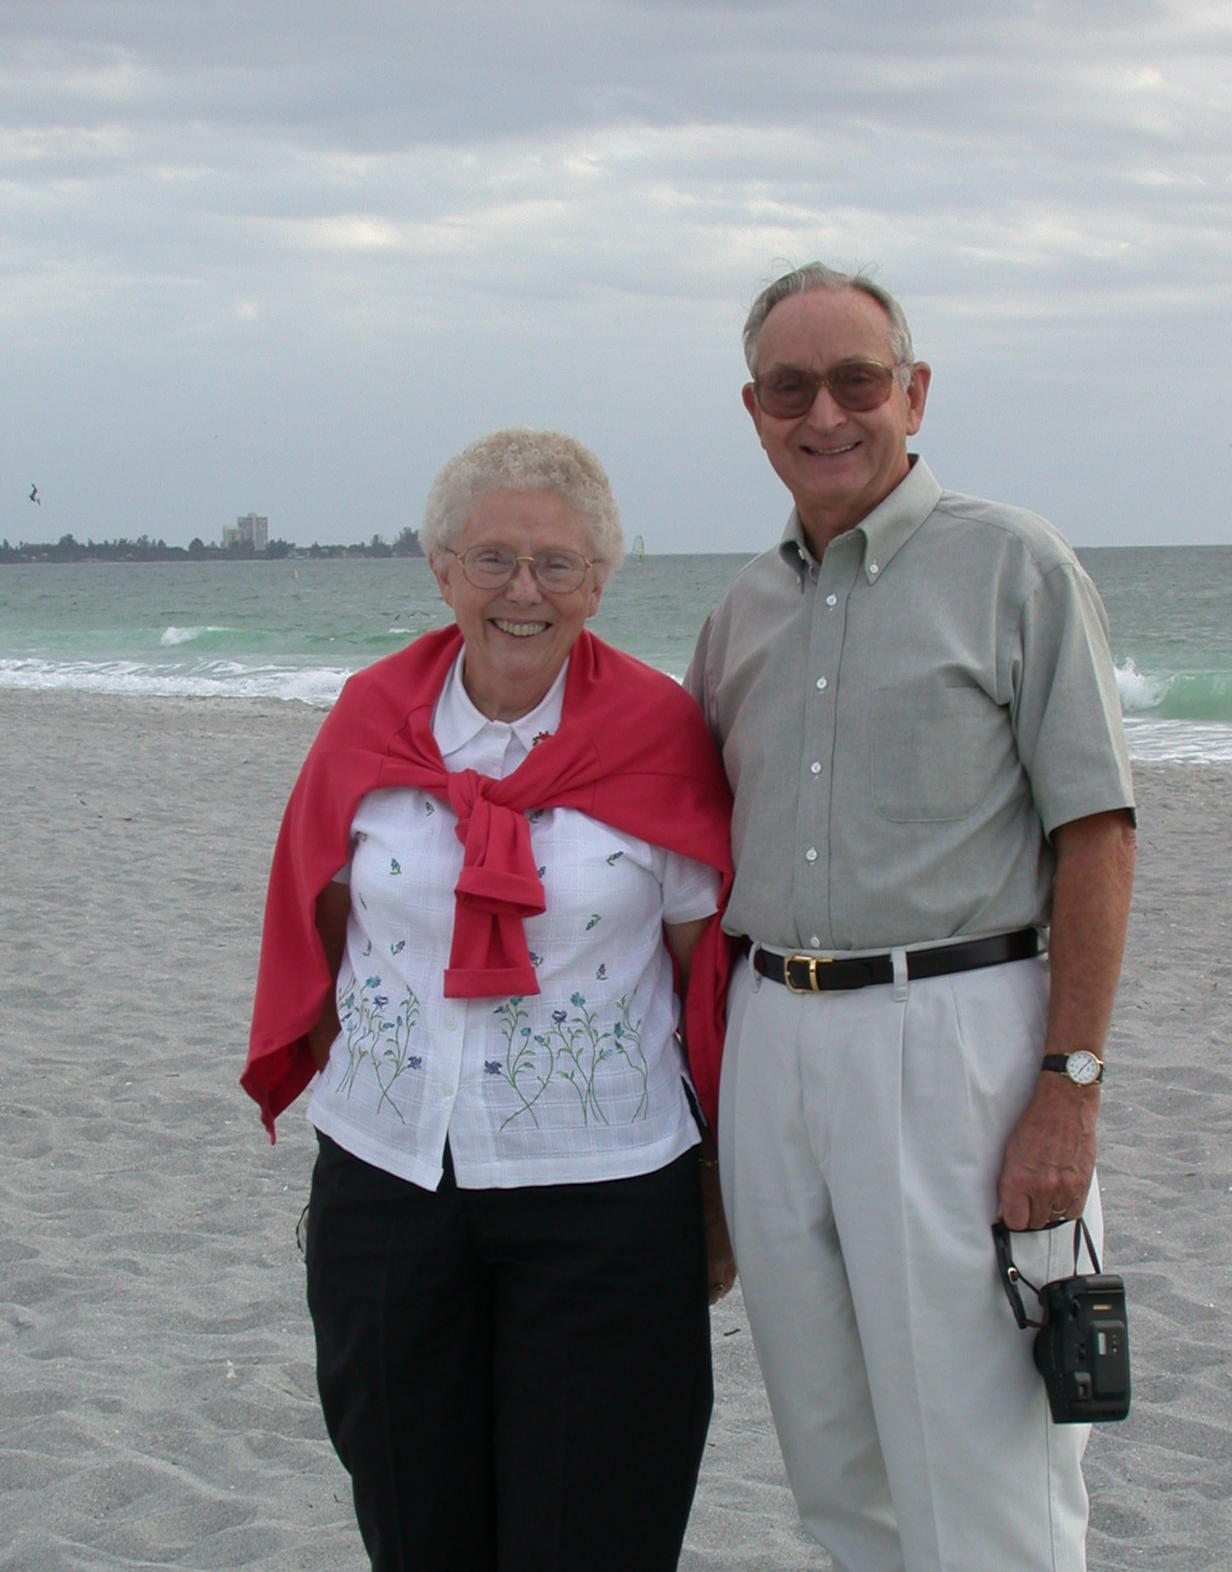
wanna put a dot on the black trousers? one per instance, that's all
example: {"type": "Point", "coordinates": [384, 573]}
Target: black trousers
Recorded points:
{"type": "Point", "coordinates": [516, 1380]}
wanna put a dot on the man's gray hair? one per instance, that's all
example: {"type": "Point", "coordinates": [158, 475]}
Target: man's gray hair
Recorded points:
{"type": "Point", "coordinates": [518, 458]}
{"type": "Point", "coordinates": [816, 275]}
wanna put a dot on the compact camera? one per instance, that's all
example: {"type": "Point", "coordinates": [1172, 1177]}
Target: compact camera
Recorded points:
{"type": "Point", "coordinates": [1082, 1342]}
{"type": "Point", "coordinates": [1082, 1350]}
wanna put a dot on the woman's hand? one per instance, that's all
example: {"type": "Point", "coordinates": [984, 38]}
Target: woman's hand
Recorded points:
{"type": "Point", "coordinates": [720, 1259]}
{"type": "Point", "coordinates": [332, 910]}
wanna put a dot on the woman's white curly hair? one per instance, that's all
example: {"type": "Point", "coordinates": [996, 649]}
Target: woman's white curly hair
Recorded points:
{"type": "Point", "coordinates": [519, 458]}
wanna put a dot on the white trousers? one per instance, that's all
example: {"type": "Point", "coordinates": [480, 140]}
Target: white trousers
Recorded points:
{"type": "Point", "coordinates": [861, 1136]}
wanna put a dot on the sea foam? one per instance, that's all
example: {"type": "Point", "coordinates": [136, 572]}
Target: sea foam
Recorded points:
{"type": "Point", "coordinates": [315, 686]}
{"type": "Point", "coordinates": [173, 636]}
{"type": "Point", "coordinates": [1182, 695]}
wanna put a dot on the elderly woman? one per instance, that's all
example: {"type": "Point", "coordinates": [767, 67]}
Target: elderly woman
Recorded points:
{"type": "Point", "coordinates": [502, 858]}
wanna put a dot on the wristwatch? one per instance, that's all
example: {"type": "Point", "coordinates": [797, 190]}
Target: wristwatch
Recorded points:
{"type": "Point", "coordinates": [1083, 1068]}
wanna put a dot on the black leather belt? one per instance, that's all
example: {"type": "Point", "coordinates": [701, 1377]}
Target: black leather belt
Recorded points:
{"type": "Point", "coordinates": [820, 973]}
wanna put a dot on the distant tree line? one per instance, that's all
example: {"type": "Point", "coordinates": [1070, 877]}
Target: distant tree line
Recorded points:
{"type": "Point", "coordinates": [143, 549]}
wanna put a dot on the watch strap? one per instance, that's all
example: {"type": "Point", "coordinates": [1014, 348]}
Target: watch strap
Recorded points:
{"type": "Point", "coordinates": [1060, 1063]}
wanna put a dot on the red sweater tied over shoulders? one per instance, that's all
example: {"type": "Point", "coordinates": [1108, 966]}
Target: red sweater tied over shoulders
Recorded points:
{"type": "Point", "coordinates": [632, 751]}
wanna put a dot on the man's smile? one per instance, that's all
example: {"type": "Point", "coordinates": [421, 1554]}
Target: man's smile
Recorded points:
{"type": "Point", "coordinates": [817, 452]}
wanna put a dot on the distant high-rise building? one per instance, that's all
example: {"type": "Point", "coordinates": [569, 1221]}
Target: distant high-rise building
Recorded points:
{"type": "Point", "coordinates": [250, 529]}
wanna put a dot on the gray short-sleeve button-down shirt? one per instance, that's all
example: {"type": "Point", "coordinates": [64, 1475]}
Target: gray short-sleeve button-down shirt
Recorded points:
{"type": "Point", "coordinates": [906, 721]}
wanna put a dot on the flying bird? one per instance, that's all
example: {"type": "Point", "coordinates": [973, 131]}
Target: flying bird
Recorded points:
{"type": "Point", "coordinates": [34, 496]}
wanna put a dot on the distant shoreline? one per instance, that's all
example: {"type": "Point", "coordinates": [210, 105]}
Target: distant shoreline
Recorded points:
{"type": "Point", "coordinates": [26, 555]}
{"type": "Point", "coordinates": [30, 554]}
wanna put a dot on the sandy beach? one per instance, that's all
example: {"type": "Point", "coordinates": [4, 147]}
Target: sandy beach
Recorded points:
{"type": "Point", "coordinates": [157, 1396]}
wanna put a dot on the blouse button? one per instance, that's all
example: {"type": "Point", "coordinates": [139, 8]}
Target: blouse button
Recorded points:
{"type": "Point", "coordinates": [811, 854]}
{"type": "Point", "coordinates": [815, 767]}
{"type": "Point", "coordinates": [831, 600]}
{"type": "Point", "coordinates": [823, 683]}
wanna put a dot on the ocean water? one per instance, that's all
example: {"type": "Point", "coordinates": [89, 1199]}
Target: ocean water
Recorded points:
{"type": "Point", "coordinates": [294, 630]}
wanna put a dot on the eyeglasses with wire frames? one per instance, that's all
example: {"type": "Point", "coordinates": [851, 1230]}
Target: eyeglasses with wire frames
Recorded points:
{"type": "Point", "coordinates": [555, 569]}
{"type": "Point", "coordinates": [787, 392]}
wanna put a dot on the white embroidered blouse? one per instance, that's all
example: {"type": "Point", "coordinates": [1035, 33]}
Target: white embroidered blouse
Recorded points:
{"type": "Point", "coordinates": [581, 1082]}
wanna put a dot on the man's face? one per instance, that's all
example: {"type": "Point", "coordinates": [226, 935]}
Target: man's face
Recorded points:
{"type": "Point", "coordinates": [838, 465]}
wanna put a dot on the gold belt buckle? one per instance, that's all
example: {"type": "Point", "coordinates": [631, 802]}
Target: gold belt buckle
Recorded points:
{"type": "Point", "coordinates": [812, 962]}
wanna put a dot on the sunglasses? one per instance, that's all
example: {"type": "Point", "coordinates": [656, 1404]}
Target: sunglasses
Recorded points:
{"type": "Point", "coordinates": [856, 386]}
{"type": "Point", "coordinates": [492, 567]}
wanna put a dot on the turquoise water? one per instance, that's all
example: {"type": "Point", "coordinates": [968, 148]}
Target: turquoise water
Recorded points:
{"type": "Point", "coordinates": [293, 630]}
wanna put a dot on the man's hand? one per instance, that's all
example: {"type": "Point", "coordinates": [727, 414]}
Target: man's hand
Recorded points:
{"type": "Point", "coordinates": [1050, 1157]}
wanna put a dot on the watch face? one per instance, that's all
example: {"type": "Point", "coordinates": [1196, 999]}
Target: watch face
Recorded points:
{"type": "Point", "coordinates": [1083, 1067]}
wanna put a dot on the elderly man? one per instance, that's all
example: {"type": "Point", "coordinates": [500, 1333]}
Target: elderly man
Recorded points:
{"type": "Point", "coordinates": [934, 843]}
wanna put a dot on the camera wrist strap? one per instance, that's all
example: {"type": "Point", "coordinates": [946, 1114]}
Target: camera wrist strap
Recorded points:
{"type": "Point", "coordinates": [1011, 1276]}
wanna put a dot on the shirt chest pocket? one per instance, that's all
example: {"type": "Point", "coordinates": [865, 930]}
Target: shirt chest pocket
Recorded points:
{"type": "Point", "coordinates": [934, 751]}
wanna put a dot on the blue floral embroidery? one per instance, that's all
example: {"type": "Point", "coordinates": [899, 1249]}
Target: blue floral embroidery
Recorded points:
{"type": "Point", "coordinates": [573, 1049]}
{"type": "Point", "coordinates": [594, 922]}
{"type": "Point", "coordinates": [394, 865]}
{"type": "Point", "coordinates": [520, 1068]}
{"type": "Point", "coordinates": [375, 1037]}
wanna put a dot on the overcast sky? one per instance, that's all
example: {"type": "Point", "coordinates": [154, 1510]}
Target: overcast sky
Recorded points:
{"type": "Point", "coordinates": [288, 256]}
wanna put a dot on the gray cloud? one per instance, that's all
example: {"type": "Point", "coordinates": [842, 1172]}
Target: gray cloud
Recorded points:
{"type": "Point", "coordinates": [290, 256]}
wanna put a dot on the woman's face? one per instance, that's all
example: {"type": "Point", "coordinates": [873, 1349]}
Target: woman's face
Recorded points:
{"type": "Point", "coordinates": [519, 636]}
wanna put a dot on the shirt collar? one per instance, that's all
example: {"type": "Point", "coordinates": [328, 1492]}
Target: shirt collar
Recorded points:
{"type": "Point", "coordinates": [885, 530]}
{"type": "Point", "coordinates": [456, 721]}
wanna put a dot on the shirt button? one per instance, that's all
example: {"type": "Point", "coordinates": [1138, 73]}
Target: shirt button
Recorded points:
{"type": "Point", "coordinates": [831, 600]}
{"type": "Point", "coordinates": [815, 767]}
{"type": "Point", "coordinates": [811, 854]}
{"type": "Point", "coordinates": [823, 682]}
{"type": "Point", "coordinates": [873, 570]}
{"type": "Point", "coordinates": [815, 941]}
